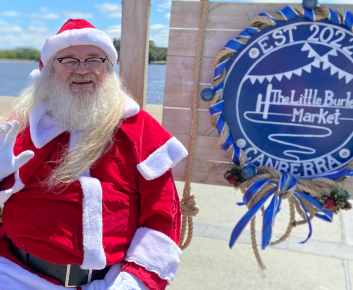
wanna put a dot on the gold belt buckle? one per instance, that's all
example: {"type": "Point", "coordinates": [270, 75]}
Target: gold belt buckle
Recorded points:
{"type": "Point", "coordinates": [67, 278]}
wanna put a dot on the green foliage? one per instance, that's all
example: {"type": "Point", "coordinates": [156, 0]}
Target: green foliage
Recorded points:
{"type": "Point", "coordinates": [155, 53]}
{"type": "Point", "coordinates": [21, 53]}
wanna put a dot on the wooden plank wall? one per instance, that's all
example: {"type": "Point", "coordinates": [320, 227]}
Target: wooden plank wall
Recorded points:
{"type": "Point", "coordinates": [135, 27]}
{"type": "Point", "coordinates": [225, 21]}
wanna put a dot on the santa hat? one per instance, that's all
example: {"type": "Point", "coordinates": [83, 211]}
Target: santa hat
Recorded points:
{"type": "Point", "coordinates": [75, 32]}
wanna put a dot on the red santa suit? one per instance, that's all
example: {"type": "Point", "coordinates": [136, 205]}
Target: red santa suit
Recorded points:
{"type": "Point", "coordinates": [124, 209]}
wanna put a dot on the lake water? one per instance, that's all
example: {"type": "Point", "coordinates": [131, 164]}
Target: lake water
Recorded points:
{"type": "Point", "coordinates": [14, 78]}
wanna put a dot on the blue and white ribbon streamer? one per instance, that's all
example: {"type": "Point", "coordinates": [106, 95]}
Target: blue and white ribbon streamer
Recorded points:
{"type": "Point", "coordinates": [339, 173]}
{"type": "Point", "coordinates": [287, 183]}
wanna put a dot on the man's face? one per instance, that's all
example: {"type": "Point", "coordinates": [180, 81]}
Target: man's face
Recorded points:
{"type": "Point", "coordinates": [81, 74]}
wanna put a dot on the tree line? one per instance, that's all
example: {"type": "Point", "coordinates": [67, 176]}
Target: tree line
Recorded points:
{"type": "Point", "coordinates": [21, 53]}
{"type": "Point", "coordinates": [156, 54]}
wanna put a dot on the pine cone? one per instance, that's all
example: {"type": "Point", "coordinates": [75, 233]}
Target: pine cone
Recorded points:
{"type": "Point", "coordinates": [348, 206]}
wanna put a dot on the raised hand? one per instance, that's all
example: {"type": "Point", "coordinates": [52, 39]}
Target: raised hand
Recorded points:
{"type": "Point", "coordinates": [8, 162]}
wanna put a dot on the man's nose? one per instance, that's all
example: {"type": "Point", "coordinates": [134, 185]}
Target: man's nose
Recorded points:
{"type": "Point", "coordinates": [81, 68]}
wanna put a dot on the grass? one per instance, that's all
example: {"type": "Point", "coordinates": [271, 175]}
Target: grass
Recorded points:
{"type": "Point", "coordinates": [158, 62]}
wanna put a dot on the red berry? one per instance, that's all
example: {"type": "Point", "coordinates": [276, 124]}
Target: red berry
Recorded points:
{"type": "Point", "coordinates": [330, 204]}
{"type": "Point", "coordinates": [233, 181]}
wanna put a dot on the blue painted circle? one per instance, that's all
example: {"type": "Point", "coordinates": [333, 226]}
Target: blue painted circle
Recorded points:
{"type": "Point", "coordinates": [292, 103]}
{"type": "Point", "coordinates": [207, 94]}
{"type": "Point", "coordinates": [309, 4]}
{"type": "Point", "coordinates": [248, 172]}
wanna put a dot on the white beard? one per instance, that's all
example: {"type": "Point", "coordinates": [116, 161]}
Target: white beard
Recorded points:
{"type": "Point", "coordinates": [81, 109]}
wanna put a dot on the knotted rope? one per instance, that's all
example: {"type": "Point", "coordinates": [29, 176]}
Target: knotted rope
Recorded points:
{"type": "Point", "coordinates": [188, 202]}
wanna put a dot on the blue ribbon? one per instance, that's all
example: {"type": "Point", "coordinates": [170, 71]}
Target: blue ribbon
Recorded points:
{"type": "Point", "coordinates": [220, 124]}
{"type": "Point", "coordinates": [246, 219]}
{"type": "Point", "coordinates": [236, 154]}
{"type": "Point", "coordinates": [316, 204]}
{"type": "Point", "coordinates": [216, 108]}
{"type": "Point", "coordinates": [305, 211]}
{"type": "Point", "coordinates": [219, 68]}
{"type": "Point", "coordinates": [219, 87]}
{"type": "Point", "coordinates": [252, 29]}
{"type": "Point", "coordinates": [334, 17]}
{"type": "Point", "coordinates": [349, 20]}
{"type": "Point", "coordinates": [269, 220]}
{"type": "Point", "coordinates": [227, 143]}
{"type": "Point", "coordinates": [310, 14]}
{"type": "Point", "coordinates": [289, 13]}
{"type": "Point", "coordinates": [234, 45]}
{"type": "Point", "coordinates": [339, 173]}
{"type": "Point", "coordinates": [270, 17]}
{"type": "Point", "coordinates": [286, 184]}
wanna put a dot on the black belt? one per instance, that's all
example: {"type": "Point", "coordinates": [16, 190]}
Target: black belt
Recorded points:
{"type": "Point", "coordinates": [70, 275]}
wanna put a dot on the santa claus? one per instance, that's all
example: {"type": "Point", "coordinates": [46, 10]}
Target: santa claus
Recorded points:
{"type": "Point", "coordinates": [86, 182]}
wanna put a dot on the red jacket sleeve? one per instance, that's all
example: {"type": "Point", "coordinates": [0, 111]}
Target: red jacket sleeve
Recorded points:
{"type": "Point", "coordinates": [153, 255]}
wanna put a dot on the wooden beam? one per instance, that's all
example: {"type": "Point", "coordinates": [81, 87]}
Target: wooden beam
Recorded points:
{"type": "Point", "coordinates": [135, 29]}
{"type": "Point", "coordinates": [187, 14]}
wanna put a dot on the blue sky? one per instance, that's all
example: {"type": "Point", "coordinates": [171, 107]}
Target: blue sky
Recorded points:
{"type": "Point", "coordinates": [29, 23]}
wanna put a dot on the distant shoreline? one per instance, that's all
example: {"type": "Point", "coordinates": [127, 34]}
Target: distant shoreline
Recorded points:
{"type": "Point", "coordinates": [16, 60]}
{"type": "Point", "coordinates": [31, 60]}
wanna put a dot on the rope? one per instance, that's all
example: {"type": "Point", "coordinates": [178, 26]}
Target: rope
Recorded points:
{"type": "Point", "coordinates": [316, 187]}
{"type": "Point", "coordinates": [254, 245]}
{"type": "Point", "coordinates": [188, 202]}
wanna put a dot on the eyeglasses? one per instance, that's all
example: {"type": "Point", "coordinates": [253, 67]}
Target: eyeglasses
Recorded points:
{"type": "Point", "coordinates": [71, 64]}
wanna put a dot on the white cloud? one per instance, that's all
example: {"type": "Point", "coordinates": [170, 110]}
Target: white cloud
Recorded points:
{"type": "Point", "coordinates": [167, 16]}
{"type": "Point", "coordinates": [161, 38]}
{"type": "Point", "coordinates": [115, 15]}
{"type": "Point", "coordinates": [37, 22]}
{"type": "Point", "coordinates": [111, 10]}
{"type": "Point", "coordinates": [166, 4]}
{"type": "Point", "coordinates": [114, 31]}
{"type": "Point", "coordinates": [49, 15]}
{"type": "Point", "coordinates": [11, 13]}
{"type": "Point", "coordinates": [13, 36]}
{"type": "Point", "coordinates": [38, 29]}
{"type": "Point", "coordinates": [6, 28]}
{"type": "Point", "coordinates": [78, 15]}
{"type": "Point", "coordinates": [158, 26]}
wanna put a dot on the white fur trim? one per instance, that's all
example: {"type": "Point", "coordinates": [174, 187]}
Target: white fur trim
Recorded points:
{"type": "Point", "coordinates": [12, 276]}
{"type": "Point", "coordinates": [85, 36]}
{"type": "Point", "coordinates": [92, 223]}
{"type": "Point", "coordinates": [131, 107]}
{"type": "Point", "coordinates": [116, 279]}
{"type": "Point", "coordinates": [6, 194]}
{"type": "Point", "coordinates": [43, 127]}
{"type": "Point", "coordinates": [92, 220]}
{"type": "Point", "coordinates": [156, 252]}
{"type": "Point", "coordinates": [162, 159]}
{"type": "Point", "coordinates": [34, 75]}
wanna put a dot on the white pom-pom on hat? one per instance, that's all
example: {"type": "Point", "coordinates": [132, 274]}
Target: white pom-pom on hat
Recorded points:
{"type": "Point", "coordinates": [34, 75]}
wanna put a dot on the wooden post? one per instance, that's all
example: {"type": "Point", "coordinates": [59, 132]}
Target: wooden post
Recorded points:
{"type": "Point", "coordinates": [135, 30]}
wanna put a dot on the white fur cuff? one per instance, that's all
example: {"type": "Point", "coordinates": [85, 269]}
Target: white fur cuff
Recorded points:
{"type": "Point", "coordinates": [154, 251]}
{"type": "Point", "coordinates": [161, 160]}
